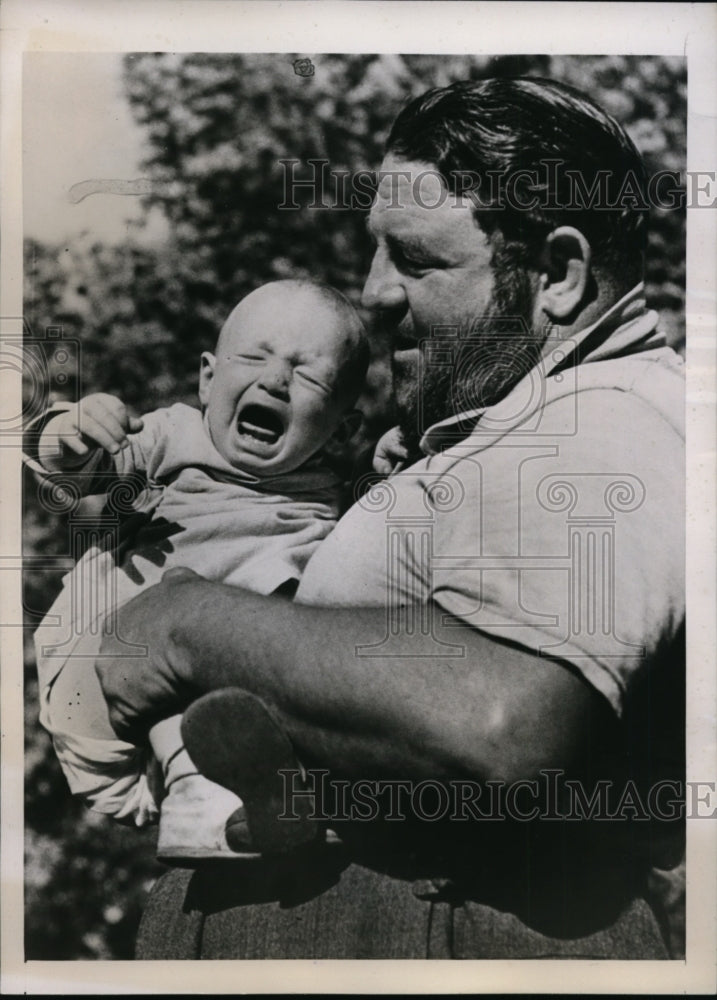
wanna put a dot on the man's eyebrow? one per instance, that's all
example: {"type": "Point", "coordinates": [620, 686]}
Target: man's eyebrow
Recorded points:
{"type": "Point", "coordinates": [412, 243]}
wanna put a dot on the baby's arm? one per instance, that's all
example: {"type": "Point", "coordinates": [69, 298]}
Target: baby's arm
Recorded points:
{"type": "Point", "coordinates": [105, 772]}
{"type": "Point", "coordinates": [96, 421]}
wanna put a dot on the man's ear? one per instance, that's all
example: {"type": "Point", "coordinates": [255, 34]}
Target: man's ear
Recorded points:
{"type": "Point", "coordinates": [206, 374]}
{"type": "Point", "coordinates": [565, 274]}
{"type": "Point", "coordinates": [348, 426]}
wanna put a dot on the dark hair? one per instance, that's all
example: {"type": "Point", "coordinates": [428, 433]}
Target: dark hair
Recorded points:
{"type": "Point", "coordinates": [489, 130]}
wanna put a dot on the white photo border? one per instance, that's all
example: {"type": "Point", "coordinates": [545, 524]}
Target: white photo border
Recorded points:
{"type": "Point", "coordinates": [479, 28]}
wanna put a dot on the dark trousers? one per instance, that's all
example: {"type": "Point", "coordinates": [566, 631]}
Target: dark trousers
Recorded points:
{"type": "Point", "coordinates": [352, 912]}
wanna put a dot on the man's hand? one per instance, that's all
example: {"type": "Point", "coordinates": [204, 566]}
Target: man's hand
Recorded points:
{"type": "Point", "coordinates": [144, 673]}
{"type": "Point", "coordinates": [96, 421]}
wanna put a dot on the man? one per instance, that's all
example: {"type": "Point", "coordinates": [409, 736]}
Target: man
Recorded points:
{"type": "Point", "coordinates": [509, 608]}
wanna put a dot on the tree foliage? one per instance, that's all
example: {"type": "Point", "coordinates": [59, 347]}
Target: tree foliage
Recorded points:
{"type": "Point", "coordinates": [217, 130]}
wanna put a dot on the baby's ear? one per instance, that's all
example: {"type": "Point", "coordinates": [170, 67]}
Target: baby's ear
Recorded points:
{"type": "Point", "coordinates": [206, 374]}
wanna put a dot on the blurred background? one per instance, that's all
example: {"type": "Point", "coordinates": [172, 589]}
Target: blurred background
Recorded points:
{"type": "Point", "coordinates": [140, 285]}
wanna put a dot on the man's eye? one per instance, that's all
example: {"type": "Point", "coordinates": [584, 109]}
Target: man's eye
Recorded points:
{"type": "Point", "coordinates": [406, 262]}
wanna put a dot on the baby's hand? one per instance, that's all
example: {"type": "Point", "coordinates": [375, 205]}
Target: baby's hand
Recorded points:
{"type": "Point", "coordinates": [99, 420]}
{"type": "Point", "coordinates": [390, 454]}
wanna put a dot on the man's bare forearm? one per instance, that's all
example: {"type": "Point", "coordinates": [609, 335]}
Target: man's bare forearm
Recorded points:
{"type": "Point", "coordinates": [491, 712]}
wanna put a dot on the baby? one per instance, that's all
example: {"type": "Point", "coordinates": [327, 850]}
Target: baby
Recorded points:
{"type": "Point", "coordinates": [241, 493]}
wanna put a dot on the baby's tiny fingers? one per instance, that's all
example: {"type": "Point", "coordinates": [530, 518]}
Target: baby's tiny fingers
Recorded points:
{"type": "Point", "coordinates": [108, 434]}
{"type": "Point", "coordinates": [382, 465]}
{"type": "Point", "coordinates": [75, 443]}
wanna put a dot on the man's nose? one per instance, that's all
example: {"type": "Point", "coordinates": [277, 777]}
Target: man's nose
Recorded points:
{"type": "Point", "coordinates": [383, 288]}
{"type": "Point", "coordinates": [276, 378]}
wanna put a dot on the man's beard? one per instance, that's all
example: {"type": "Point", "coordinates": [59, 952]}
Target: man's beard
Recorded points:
{"type": "Point", "coordinates": [493, 353]}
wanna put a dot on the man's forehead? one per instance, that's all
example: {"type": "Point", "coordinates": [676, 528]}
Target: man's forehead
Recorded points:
{"type": "Point", "coordinates": [413, 195]}
{"type": "Point", "coordinates": [406, 184]}
{"type": "Point", "coordinates": [414, 206]}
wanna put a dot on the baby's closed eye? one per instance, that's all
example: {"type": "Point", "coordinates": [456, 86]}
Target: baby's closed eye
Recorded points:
{"type": "Point", "coordinates": [312, 380]}
{"type": "Point", "coordinates": [255, 359]}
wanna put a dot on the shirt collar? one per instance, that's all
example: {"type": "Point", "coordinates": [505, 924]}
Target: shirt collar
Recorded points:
{"type": "Point", "coordinates": [626, 328]}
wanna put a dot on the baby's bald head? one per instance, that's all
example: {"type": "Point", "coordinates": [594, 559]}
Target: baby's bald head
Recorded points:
{"type": "Point", "coordinates": [318, 318]}
{"type": "Point", "coordinates": [290, 363]}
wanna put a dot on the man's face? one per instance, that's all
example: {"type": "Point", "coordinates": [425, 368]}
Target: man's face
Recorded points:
{"type": "Point", "coordinates": [270, 396]}
{"type": "Point", "coordinates": [432, 268]}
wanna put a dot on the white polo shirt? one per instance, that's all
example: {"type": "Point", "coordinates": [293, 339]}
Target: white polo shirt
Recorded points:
{"type": "Point", "coordinates": [554, 519]}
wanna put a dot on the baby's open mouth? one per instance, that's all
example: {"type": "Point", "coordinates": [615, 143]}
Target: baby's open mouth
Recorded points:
{"type": "Point", "coordinates": [403, 343]}
{"type": "Point", "coordinates": [261, 423]}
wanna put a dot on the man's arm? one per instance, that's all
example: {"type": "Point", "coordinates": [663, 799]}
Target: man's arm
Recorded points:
{"type": "Point", "coordinates": [496, 712]}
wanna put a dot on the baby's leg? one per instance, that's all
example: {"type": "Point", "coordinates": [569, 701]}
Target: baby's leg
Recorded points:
{"type": "Point", "coordinates": [196, 815]}
{"type": "Point", "coordinates": [107, 773]}
{"type": "Point", "coordinates": [76, 701]}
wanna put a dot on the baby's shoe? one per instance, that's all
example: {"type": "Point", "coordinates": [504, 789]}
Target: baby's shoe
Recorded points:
{"type": "Point", "coordinates": [199, 820]}
{"type": "Point", "coordinates": [235, 741]}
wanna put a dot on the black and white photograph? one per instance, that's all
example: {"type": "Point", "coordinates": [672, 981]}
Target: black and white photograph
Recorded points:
{"type": "Point", "coordinates": [361, 455]}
